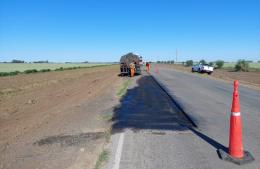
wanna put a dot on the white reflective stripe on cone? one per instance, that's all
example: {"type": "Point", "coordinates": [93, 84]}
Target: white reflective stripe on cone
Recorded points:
{"type": "Point", "coordinates": [235, 113]}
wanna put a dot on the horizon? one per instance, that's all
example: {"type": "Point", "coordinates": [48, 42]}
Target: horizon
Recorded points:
{"type": "Point", "coordinates": [103, 31]}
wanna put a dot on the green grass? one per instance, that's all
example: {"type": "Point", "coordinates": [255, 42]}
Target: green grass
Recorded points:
{"type": "Point", "coordinates": [108, 134]}
{"type": "Point", "coordinates": [29, 71]}
{"type": "Point", "coordinates": [123, 89]}
{"type": "Point", "coordinates": [232, 65]}
{"type": "Point", "coordinates": [9, 73]}
{"type": "Point", "coordinates": [12, 67]}
{"type": "Point", "coordinates": [103, 157]}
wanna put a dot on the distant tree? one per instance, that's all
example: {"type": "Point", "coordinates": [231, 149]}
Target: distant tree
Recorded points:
{"type": "Point", "coordinates": [211, 63]}
{"type": "Point", "coordinates": [259, 61]}
{"type": "Point", "coordinates": [220, 64]}
{"type": "Point", "coordinates": [172, 61]}
{"type": "Point", "coordinates": [203, 61]}
{"type": "Point", "coordinates": [41, 61]}
{"type": "Point", "coordinates": [189, 63]}
{"type": "Point", "coordinates": [17, 61]}
{"type": "Point", "coordinates": [242, 65]}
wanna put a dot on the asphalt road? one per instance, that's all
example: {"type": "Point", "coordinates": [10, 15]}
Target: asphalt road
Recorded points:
{"type": "Point", "coordinates": [150, 132]}
{"type": "Point", "coordinates": [208, 103]}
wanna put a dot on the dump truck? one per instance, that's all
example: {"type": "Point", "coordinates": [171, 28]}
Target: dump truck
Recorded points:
{"type": "Point", "coordinates": [130, 64]}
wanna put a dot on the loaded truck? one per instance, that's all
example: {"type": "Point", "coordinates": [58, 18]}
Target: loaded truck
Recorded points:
{"type": "Point", "coordinates": [130, 64]}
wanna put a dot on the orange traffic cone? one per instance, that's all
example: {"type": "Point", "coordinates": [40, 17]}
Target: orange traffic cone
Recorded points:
{"type": "Point", "coordinates": [236, 153]}
{"type": "Point", "coordinates": [148, 68]}
{"type": "Point", "coordinates": [156, 69]}
{"type": "Point", "coordinates": [235, 133]}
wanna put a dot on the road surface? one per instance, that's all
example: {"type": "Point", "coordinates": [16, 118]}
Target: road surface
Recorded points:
{"type": "Point", "coordinates": [151, 132]}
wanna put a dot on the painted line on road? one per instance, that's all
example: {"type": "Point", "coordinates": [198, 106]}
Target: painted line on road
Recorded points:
{"type": "Point", "coordinates": [119, 151]}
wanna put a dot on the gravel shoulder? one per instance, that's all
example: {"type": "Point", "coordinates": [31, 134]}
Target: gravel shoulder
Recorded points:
{"type": "Point", "coordinates": [56, 119]}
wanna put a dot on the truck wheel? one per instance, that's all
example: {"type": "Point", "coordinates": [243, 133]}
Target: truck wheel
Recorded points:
{"type": "Point", "coordinates": [209, 73]}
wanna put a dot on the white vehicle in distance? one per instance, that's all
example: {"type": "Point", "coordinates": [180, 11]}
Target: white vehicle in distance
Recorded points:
{"type": "Point", "coordinates": [202, 68]}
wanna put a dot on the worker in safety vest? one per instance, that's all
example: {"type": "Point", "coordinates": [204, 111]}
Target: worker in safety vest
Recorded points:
{"type": "Point", "coordinates": [132, 69]}
{"type": "Point", "coordinates": [148, 67]}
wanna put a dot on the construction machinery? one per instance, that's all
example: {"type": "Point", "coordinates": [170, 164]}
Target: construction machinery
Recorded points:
{"type": "Point", "coordinates": [130, 64]}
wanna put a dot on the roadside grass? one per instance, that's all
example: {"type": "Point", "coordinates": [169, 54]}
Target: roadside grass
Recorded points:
{"type": "Point", "coordinates": [11, 67]}
{"type": "Point", "coordinates": [30, 71]}
{"type": "Point", "coordinates": [232, 64]}
{"type": "Point", "coordinates": [123, 89]}
{"type": "Point", "coordinates": [45, 70]}
{"type": "Point", "coordinates": [108, 134]}
{"type": "Point", "coordinates": [107, 117]}
{"type": "Point", "coordinates": [103, 157]}
{"type": "Point", "coordinates": [253, 67]}
{"type": "Point", "coordinates": [9, 73]}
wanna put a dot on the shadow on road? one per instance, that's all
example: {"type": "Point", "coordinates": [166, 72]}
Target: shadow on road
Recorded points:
{"type": "Point", "coordinates": [147, 107]}
{"type": "Point", "coordinates": [210, 141]}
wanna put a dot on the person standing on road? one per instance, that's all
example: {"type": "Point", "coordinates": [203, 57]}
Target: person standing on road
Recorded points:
{"type": "Point", "coordinates": [132, 69]}
{"type": "Point", "coordinates": [147, 67]}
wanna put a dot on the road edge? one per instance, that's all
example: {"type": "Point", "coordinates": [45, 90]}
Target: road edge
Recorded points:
{"type": "Point", "coordinates": [175, 103]}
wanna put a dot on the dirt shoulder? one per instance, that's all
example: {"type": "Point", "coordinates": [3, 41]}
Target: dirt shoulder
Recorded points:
{"type": "Point", "coordinates": [249, 79]}
{"type": "Point", "coordinates": [56, 119]}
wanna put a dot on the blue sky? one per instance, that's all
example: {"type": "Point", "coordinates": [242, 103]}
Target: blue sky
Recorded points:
{"type": "Point", "coordinates": [102, 30]}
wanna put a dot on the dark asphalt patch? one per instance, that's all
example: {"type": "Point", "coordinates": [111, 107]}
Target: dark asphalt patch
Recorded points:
{"type": "Point", "coordinates": [159, 133]}
{"type": "Point", "coordinates": [146, 106]}
{"type": "Point", "coordinates": [70, 140]}
{"type": "Point", "coordinates": [190, 119]}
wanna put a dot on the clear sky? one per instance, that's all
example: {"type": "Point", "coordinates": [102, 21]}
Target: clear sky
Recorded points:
{"type": "Point", "coordinates": [103, 30]}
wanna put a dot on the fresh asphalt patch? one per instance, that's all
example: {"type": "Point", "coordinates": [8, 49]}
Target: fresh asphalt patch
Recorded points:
{"type": "Point", "coordinates": [177, 104]}
{"type": "Point", "coordinates": [70, 140]}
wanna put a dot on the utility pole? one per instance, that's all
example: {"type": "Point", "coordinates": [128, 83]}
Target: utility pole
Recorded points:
{"type": "Point", "coordinates": [176, 56]}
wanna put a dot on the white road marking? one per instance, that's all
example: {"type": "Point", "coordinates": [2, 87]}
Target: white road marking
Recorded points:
{"type": "Point", "coordinates": [119, 151]}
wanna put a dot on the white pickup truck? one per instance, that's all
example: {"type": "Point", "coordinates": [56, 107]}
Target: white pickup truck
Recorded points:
{"type": "Point", "coordinates": [202, 68]}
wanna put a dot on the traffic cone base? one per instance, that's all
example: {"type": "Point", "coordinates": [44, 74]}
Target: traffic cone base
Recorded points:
{"type": "Point", "coordinates": [247, 157]}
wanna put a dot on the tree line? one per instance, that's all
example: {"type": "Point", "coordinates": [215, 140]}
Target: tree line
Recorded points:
{"type": "Point", "coordinates": [241, 65]}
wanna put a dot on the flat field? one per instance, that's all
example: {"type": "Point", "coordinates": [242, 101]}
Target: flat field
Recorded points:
{"type": "Point", "coordinates": [58, 119]}
{"type": "Point", "coordinates": [252, 65]}
{"type": "Point", "coordinates": [250, 79]}
{"type": "Point", "coordinates": [11, 67]}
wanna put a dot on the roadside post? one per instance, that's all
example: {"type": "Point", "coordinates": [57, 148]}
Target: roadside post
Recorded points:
{"type": "Point", "coordinates": [156, 69]}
